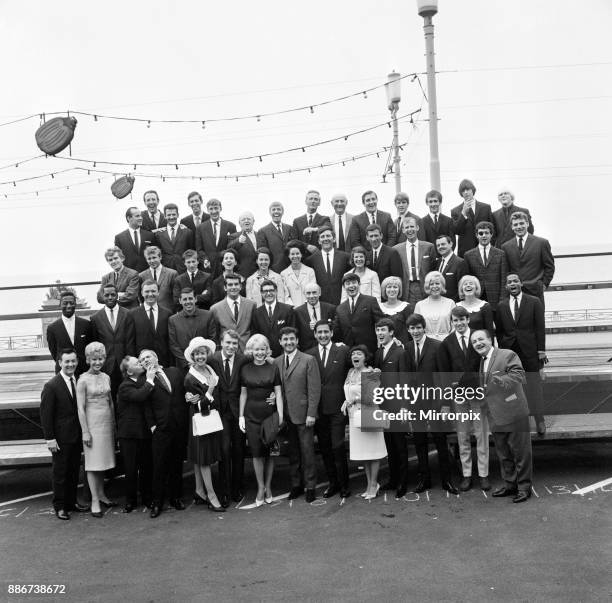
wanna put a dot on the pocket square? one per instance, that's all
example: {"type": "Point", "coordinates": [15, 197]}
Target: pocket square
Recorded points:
{"type": "Point", "coordinates": [425, 256]}
{"type": "Point", "coordinates": [280, 322]}
{"type": "Point", "coordinates": [511, 398]}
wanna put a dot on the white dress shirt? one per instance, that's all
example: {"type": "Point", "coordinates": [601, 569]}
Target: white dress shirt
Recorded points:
{"type": "Point", "coordinates": [155, 312]}
{"type": "Point", "coordinates": [69, 324]}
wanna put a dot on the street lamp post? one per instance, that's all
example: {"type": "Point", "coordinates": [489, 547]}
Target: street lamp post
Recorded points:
{"type": "Point", "coordinates": [394, 96]}
{"type": "Point", "coordinates": [427, 9]}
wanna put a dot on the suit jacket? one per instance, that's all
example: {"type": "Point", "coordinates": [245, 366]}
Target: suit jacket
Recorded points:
{"type": "Point", "coordinates": [189, 223]}
{"type": "Point", "coordinates": [206, 246]}
{"type": "Point", "coordinates": [333, 375]}
{"type": "Point", "coordinates": [132, 398]}
{"type": "Point", "coordinates": [455, 366]}
{"type": "Point", "coordinates": [454, 271]}
{"type": "Point", "coordinates": [527, 335]}
{"type": "Point", "coordinates": [127, 282]}
{"type": "Point", "coordinates": [388, 262]}
{"type": "Point", "coordinates": [425, 370]}
{"type": "Point", "coordinates": [357, 234]}
{"type": "Point", "coordinates": [281, 317]}
{"type": "Point", "coordinates": [172, 251]}
{"type": "Point", "coordinates": [358, 327]}
{"type": "Point", "coordinates": [425, 262]}
{"type": "Point", "coordinates": [348, 220]}
{"type": "Point", "coordinates": [303, 316]}
{"type": "Point", "coordinates": [149, 224]}
{"type": "Point", "coordinates": [224, 319]}
{"type": "Point", "coordinates": [465, 228]}
{"type": "Point", "coordinates": [269, 237]}
{"type": "Point", "coordinates": [397, 224]}
{"type": "Point", "coordinates": [182, 328]}
{"type": "Point", "coordinates": [503, 224]}
{"type": "Point", "coordinates": [247, 254]}
{"type": "Point", "coordinates": [228, 390]}
{"type": "Point", "coordinates": [507, 404]}
{"type": "Point", "coordinates": [217, 289]}
{"type": "Point", "coordinates": [58, 338]}
{"type": "Point", "coordinates": [168, 411]}
{"type": "Point", "coordinates": [301, 384]}
{"type": "Point", "coordinates": [119, 342]}
{"type": "Point", "coordinates": [492, 277]}
{"type": "Point", "coordinates": [149, 339]}
{"type": "Point", "coordinates": [535, 266]}
{"type": "Point", "coordinates": [201, 285]}
{"type": "Point", "coordinates": [300, 223]}
{"type": "Point", "coordinates": [392, 364]}
{"type": "Point", "coordinates": [165, 284]}
{"type": "Point", "coordinates": [331, 285]}
{"type": "Point", "coordinates": [134, 258]}
{"type": "Point", "coordinates": [58, 412]}
{"type": "Point", "coordinates": [429, 232]}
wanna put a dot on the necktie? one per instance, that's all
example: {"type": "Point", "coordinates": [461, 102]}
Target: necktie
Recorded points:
{"type": "Point", "coordinates": [484, 253]}
{"type": "Point", "coordinates": [516, 307]}
{"type": "Point", "coordinates": [280, 229]}
{"type": "Point", "coordinates": [314, 313]}
{"type": "Point", "coordinates": [136, 241]}
{"type": "Point", "coordinates": [442, 265]}
{"type": "Point", "coordinates": [324, 356]}
{"type": "Point", "coordinates": [372, 219]}
{"type": "Point", "coordinates": [328, 265]}
{"type": "Point", "coordinates": [116, 277]}
{"type": "Point", "coordinates": [152, 317]}
{"type": "Point", "coordinates": [269, 312]}
{"type": "Point", "coordinates": [153, 220]}
{"type": "Point", "coordinates": [163, 380]}
{"type": "Point", "coordinates": [286, 362]}
{"type": "Point", "coordinates": [481, 371]}
{"type": "Point", "coordinates": [172, 233]}
{"type": "Point", "coordinates": [436, 220]}
{"type": "Point", "coordinates": [309, 219]}
{"type": "Point", "coordinates": [196, 220]}
{"type": "Point", "coordinates": [215, 231]}
{"type": "Point", "coordinates": [191, 276]}
{"type": "Point", "coordinates": [228, 373]}
{"type": "Point", "coordinates": [155, 274]}
{"type": "Point", "coordinates": [112, 318]}
{"type": "Point", "coordinates": [520, 244]}
{"type": "Point", "coordinates": [463, 346]}
{"type": "Point", "coordinates": [236, 311]}
{"type": "Point", "coordinates": [72, 388]}
{"type": "Point", "coordinates": [398, 224]}
{"type": "Point", "coordinates": [375, 257]}
{"type": "Point", "coordinates": [352, 305]}
{"type": "Point", "coordinates": [413, 272]}
{"type": "Point", "coordinates": [417, 354]}
{"type": "Point", "coordinates": [341, 241]}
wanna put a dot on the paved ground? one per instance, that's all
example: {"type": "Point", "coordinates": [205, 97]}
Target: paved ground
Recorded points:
{"type": "Point", "coordinates": [432, 547]}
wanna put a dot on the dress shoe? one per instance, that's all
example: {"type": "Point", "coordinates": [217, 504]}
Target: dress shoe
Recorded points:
{"type": "Point", "coordinates": [466, 483]}
{"type": "Point", "coordinates": [503, 491]}
{"type": "Point", "coordinates": [237, 496]}
{"type": "Point", "coordinates": [345, 493]}
{"type": "Point", "coordinates": [450, 487]}
{"type": "Point", "coordinates": [198, 500]}
{"type": "Point", "coordinates": [178, 504]}
{"type": "Point", "coordinates": [79, 508]}
{"type": "Point", "coordinates": [521, 496]}
{"type": "Point", "coordinates": [97, 514]}
{"type": "Point", "coordinates": [214, 509]}
{"type": "Point", "coordinates": [61, 514]}
{"type": "Point", "coordinates": [310, 495]}
{"type": "Point", "coordinates": [331, 491]}
{"type": "Point", "coordinates": [388, 486]}
{"type": "Point", "coordinates": [485, 484]}
{"type": "Point", "coordinates": [259, 502]}
{"type": "Point", "coordinates": [155, 510]}
{"type": "Point", "coordinates": [128, 508]}
{"type": "Point", "coordinates": [225, 501]}
{"type": "Point", "coordinates": [108, 503]}
{"type": "Point", "coordinates": [422, 485]}
{"type": "Point", "coordinates": [296, 492]}
{"type": "Point", "coordinates": [268, 497]}
{"type": "Point", "coordinates": [541, 427]}
{"type": "Point", "coordinates": [371, 496]}
{"type": "Point", "coordinates": [401, 491]}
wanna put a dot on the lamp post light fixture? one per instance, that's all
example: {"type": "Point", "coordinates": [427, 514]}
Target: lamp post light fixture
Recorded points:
{"type": "Point", "coordinates": [394, 96]}
{"type": "Point", "coordinates": [427, 9]}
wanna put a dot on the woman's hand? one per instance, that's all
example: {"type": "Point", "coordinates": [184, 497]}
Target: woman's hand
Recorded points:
{"type": "Point", "coordinates": [344, 407]}
{"type": "Point", "coordinates": [242, 424]}
{"type": "Point", "coordinates": [192, 398]}
{"type": "Point", "coordinates": [87, 439]}
{"type": "Point", "coordinates": [280, 419]}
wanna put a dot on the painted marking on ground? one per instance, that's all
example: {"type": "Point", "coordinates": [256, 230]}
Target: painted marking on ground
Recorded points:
{"type": "Point", "coordinates": [593, 487]}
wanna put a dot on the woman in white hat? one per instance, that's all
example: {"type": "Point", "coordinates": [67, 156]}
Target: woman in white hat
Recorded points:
{"type": "Point", "coordinates": [204, 450]}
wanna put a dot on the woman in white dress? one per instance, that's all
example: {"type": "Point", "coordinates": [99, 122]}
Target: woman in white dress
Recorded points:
{"type": "Point", "coordinates": [96, 415]}
{"type": "Point", "coordinates": [263, 273]}
{"type": "Point", "coordinates": [435, 308]}
{"type": "Point", "coordinates": [365, 446]}
{"type": "Point", "coordinates": [369, 283]}
{"type": "Point", "coordinates": [296, 276]}
{"type": "Point", "coordinates": [397, 310]}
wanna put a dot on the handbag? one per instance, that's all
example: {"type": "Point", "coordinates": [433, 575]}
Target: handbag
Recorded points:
{"type": "Point", "coordinates": [270, 428]}
{"type": "Point", "coordinates": [205, 424]}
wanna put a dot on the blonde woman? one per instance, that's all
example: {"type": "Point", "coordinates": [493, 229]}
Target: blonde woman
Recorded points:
{"type": "Point", "coordinates": [435, 308]}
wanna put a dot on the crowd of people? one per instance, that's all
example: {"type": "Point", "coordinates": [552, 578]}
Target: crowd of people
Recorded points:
{"type": "Point", "coordinates": [212, 336]}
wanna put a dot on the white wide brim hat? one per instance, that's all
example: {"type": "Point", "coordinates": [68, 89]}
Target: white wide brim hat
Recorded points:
{"type": "Point", "coordinates": [199, 342]}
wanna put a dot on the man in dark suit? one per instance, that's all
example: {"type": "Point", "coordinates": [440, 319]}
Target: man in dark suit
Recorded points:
{"type": "Point", "coordinates": [371, 215]}
{"type": "Point", "coordinates": [69, 331]}
{"type": "Point", "coordinates": [197, 216]}
{"type": "Point", "coordinates": [341, 221]}
{"type": "Point", "coordinates": [271, 317]}
{"type": "Point", "coordinates": [452, 268]}
{"type": "Point", "coordinates": [244, 243]}
{"type": "Point", "coordinates": [502, 375]}
{"type": "Point", "coordinates": [152, 218]}
{"type": "Point", "coordinates": [466, 215]}
{"type": "Point", "coordinates": [501, 217]}
{"type": "Point", "coordinates": [162, 275]}
{"type": "Point", "coordinates": [167, 418]}
{"type": "Point", "coordinates": [134, 240]}
{"type": "Point", "coordinates": [488, 264]}
{"type": "Point", "coordinates": [357, 315]}
{"type": "Point", "coordinates": [62, 432]}
{"type": "Point", "coordinates": [435, 223]}
{"type": "Point", "coordinates": [459, 363]}
{"type": "Point", "coordinates": [275, 236]}
{"type": "Point", "coordinates": [151, 324]}
{"type": "Point", "coordinates": [402, 202]}
{"type": "Point", "coordinates": [124, 279]}
{"type": "Point", "coordinates": [212, 238]}
{"type": "Point", "coordinates": [308, 226]}
{"type": "Point", "coordinates": [384, 260]}
{"type": "Point", "coordinates": [309, 314]}
{"type": "Point", "coordinates": [390, 358]}
{"type": "Point", "coordinates": [330, 265]}
{"type": "Point", "coordinates": [193, 278]}
{"type": "Point", "coordinates": [330, 427]}
{"type": "Point", "coordinates": [227, 364]}
{"type": "Point", "coordinates": [530, 257]}
{"type": "Point", "coordinates": [132, 431]}
{"type": "Point", "coordinates": [301, 384]}
{"type": "Point", "coordinates": [190, 322]}
{"type": "Point", "coordinates": [114, 327]}
{"type": "Point", "coordinates": [521, 328]}
{"type": "Point", "coordinates": [173, 239]}
{"type": "Point", "coordinates": [422, 360]}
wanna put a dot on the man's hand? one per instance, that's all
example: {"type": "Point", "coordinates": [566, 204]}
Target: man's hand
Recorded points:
{"type": "Point", "coordinates": [87, 440]}
{"type": "Point", "coordinates": [310, 421]}
{"type": "Point", "coordinates": [151, 372]}
{"type": "Point", "coordinates": [242, 238]}
{"type": "Point", "coordinates": [242, 424]}
{"type": "Point", "coordinates": [52, 446]}
{"type": "Point", "coordinates": [312, 248]}
{"type": "Point", "coordinates": [542, 357]}
{"type": "Point", "coordinates": [153, 428]}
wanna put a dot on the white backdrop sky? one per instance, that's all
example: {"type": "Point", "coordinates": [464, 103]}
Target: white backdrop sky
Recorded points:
{"type": "Point", "coordinates": [524, 99]}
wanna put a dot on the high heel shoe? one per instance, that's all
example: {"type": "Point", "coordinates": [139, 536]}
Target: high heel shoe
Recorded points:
{"type": "Point", "coordinates": [364, 494]}
{"type": "Point", "coordinates": [198, 500]}
{"type": "Point", "coordinates": [215, 509]}
{"type": "Point", "coordinates": [259, 503]}
{"type": "Point", "coordinates": [371, 496]}
{"type": "Point", "coordinates": [267, 497]}
{"type": "Point", "coordinates": [108, 503]}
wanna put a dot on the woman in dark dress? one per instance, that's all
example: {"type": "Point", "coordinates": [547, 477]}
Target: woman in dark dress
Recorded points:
{"type": "Point", "coordinates": [481, 313]}
{"type": "Point", "coordinates": [204, 450]}
{"type": "Point", "coordinates": [260, 396]}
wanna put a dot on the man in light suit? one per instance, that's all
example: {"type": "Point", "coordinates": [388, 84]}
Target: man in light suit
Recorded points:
{"type": "Point", "coordinates": [384, 260]}
{"type": "Point", "coordinates": [435, 223]}
{"type": "Point", "coordinates": [308, 226]}
{"type": "Point", "coordinates": [309, 314]}
{"type": "Point", "coordinates": [235, 311]}
{"type": "Point", "coordinates": [152, 218]}
{"type": "Point", "coordinates": [173, 239]}
{"type": "Point", "coordinates": [301, 384]}
{"type": "Point", "coordinates": [197, 216]}
{"type": "Point", "coordinates": [402, 202]}
{"type": "Point", "coordinates": [134, 240]}
{"type": "Point", "coordinates": [193, 278]}
{"type": "Point", "coordinates": [417, 260]}
{"type": "Point", "coordinates": [466, 215]}
{"type": "Point", "coordinates": [502, 217]}
{"type": "Point", "coordinates": [163, 276]}
{"type": "Point", "coordinates": [503, 376]}
{"type": "Point", "coordinates": [452, 268]}
{"type": "Point", "coordinates": [371, 215]}
{"type": "Point", "coordinates": [212, 238]}
{"type": "Point", "coordinates": [341, 221]}
{"type": "Point", "coordinates": [530, 257]}
{"type": "Point", "coordinates": [124, 279]}
{"type": "Point", "coordinates": [275, 237]}
{"type": "Point", "coordinates": [245, 243]}
{"type": "Point", "coordinates": [69, 331]}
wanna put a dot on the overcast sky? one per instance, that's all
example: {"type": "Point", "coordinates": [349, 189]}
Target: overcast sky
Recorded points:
{"type": "Point", "coordinates": [524, 95]}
